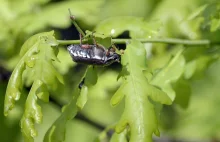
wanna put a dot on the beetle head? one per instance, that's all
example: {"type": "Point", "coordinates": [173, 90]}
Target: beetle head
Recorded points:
{"type": "Point", "coordinates": [112, 57]}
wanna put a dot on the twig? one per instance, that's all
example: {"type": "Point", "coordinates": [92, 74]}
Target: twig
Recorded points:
{"type": "Point", "coordinates": [75, 24]}
{"type": "Point", "coordinates": [155, 40]}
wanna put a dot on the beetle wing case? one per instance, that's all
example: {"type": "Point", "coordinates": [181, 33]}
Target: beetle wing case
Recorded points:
{"type": "Point", "coordinates": [92, 55]}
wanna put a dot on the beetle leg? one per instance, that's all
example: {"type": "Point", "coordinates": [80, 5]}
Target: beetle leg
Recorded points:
{"type": "Point", "coordinates": [108, 52]}
{"type": "Point", "coordinates": [114, 47]}
{"type": "Point", "coordinates": [80, 37]}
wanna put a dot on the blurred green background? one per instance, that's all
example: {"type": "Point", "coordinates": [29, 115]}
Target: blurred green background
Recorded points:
{"type": "Point", "coordinates": [194, 114]}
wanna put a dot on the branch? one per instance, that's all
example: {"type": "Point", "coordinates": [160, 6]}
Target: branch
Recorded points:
{"type": "Point", "coordinates": [155, 40]}
{"type": "Point", "coordinates": [166, 40]}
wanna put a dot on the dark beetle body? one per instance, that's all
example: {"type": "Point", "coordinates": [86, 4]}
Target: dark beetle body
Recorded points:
{"type": "Point", "coordinates": [92, 54]}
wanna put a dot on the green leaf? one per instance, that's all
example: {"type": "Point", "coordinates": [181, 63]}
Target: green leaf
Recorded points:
{"type": "Point", "coordinates": [197, 12]}
{"type": "Point", "coordinates": [91, 76]}
{"type": "Point", "coordinates": [100, 38]}
{"type": "Point", "coordinates": [14, 88]}
{"type": "Point", "coordinates": [139, 111]}
{"type": "Point", "coordinates": [37, 53]}
{"type": "Point", "coordinates": [172, 15]}
{"type": "Point", "coordinates": [119, 137]}
{"type": "Point", "coordinates": [65, 61]}
{"type": "Point", "coordinates": [82, 99]}
{"type": "Point", "coordinates": [215, 24]}
{"type": "Point", "coordinates": [124, 8]}
{"type": "Point", "coordinates": [57, 131]}
{"type": "Point", "coordinates": [80, 9]}
{"type": "Point", "coordinates": [209, 13]}
{"type": "Point", "coordinates": [183, 92]}
{"type": "Point", "coordinates": [42, 93]}
{"type": "Point", "coordinates": [117, 25]}
{"type": "Point", "coordinates": [195, 68]}
{"type": "Point", "coordinates": [31, 114]}
{"type": "Point", "coordinates": [170, 74]}
{"type": "Point", "coordinates": [34, 41]}
{"type": "Point", "coordinates": [195, 117]}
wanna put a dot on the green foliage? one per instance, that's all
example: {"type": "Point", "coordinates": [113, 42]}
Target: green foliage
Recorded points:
{"type": "Point", "coordinates": [117, 25]}
{"type": "Point", "coordinates": [38, 52]}
{"type": "Point", "coordinates": [56, 133]}
{"type": "Point", "coordinates": [138, 96]}
{"type": "Point", "coordinates": [169, 74]}
{"type": "Point", "coordinates": [173, 88]}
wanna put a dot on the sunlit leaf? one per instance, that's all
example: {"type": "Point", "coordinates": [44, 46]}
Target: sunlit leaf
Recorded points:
{"type": "Point", "coordinates": [182, 89]}
{"type": "Point", "coordinates": [117, 25]}
{"type": "Point", "coordinates": [57, 131]}
{"type": "Point", "coordinates": [82, 99]}
{"type": "Point", "coordinates": [173, 17]}
{"type": "Point", "coordinates": [32, 113]}
{"type": "Point", "coordinates": [170, 73]}
{"type": "Point", "coordinates": [119, 137]}
{"type": "Point", "coordinates": [99, 38]}
{"type": "Point", "coordinates": [204, 91]}
{"type": "Point", "coordinates": [38, 53]}
{"type": "Point", "coordinates": [80, 9]}
{"type": "Point", "coordinates": [139, 111]}
{"type": "Point", "coordinates": [196, 68]}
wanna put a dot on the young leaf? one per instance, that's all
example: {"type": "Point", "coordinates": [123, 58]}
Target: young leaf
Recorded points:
{"type": "Point", "coordinates": [37, 53]}
{"type": "Point", "coordinates": [82, 99]}
{"type": "Point", "coordinates": [183, 91]}
{"type": "Point", "coordinates": [170, 73]}
{"type": "Point", "coordinates": [139, 111]}
{"type": "Point", "coordinates": [28, 50]}
{"type": "Point", "coordinates": [14, 88]}
{"type": "Point", "coordinates": [117, 25]}
{"type": "Point", "coordinates": [119, 137]}
{"type": "Point", "coordinates": [56, 133]}
{"type": "Point", "coordinates": [31, 114]}
{"type": "Point", "coordinates": [102, 39]}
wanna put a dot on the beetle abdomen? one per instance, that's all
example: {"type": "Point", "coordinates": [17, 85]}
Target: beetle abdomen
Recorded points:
{"type": "Point", "coordinates": [91, 55]}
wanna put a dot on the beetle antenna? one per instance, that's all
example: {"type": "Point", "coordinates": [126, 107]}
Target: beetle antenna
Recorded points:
{"type": "Point", "coordinates": [73, 19]}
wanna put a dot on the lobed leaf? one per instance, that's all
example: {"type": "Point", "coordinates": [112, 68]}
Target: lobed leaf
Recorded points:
{"type": "Point", "coordinates": [169, 74]}
{"type": "Point", "coordinates": [14, 88]}
{"type": "Point", "coordinates": [37, 53]}
{"type": "Point", "coordinates": [32, 113]}
{"type": "Point", "coordinates": [139, 111]}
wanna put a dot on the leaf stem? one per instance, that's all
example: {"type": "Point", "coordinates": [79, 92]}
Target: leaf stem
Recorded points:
{"type": "Point", "coordinates": [166, 40]}
{"type": "Point", "coordinates": [155, 40]}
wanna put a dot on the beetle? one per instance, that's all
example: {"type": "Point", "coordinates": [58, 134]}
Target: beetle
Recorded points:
{"type": "Point", "coordinates": [93, 54]}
